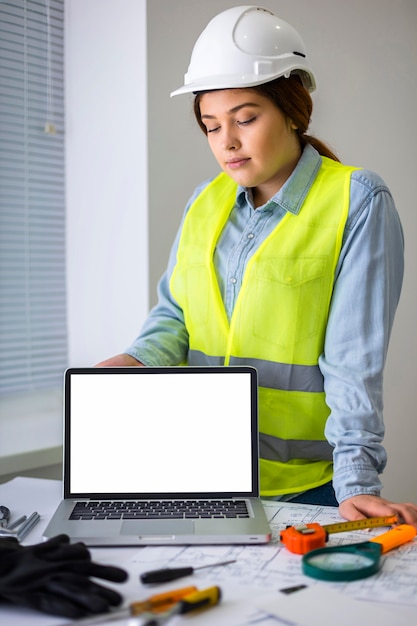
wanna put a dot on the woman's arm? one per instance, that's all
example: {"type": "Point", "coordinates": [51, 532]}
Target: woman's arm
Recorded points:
{"type": "Point", "coordinates": [366, 293]}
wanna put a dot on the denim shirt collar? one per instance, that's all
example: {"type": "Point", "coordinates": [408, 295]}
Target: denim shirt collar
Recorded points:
{"type": "Point", "coordinates": [291, 195]}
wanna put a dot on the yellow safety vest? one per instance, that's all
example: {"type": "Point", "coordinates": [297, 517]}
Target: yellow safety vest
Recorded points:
{"type": "Point", "coordinates": [279, 321]}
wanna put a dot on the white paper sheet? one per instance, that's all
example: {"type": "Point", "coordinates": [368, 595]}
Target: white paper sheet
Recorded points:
{"type": "Point", "coordinates": [318, 606]}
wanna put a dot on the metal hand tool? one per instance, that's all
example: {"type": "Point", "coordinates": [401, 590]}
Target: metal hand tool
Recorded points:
{"type": "Point", "coordinates": [200, 600]}
{"type": "Point", "coordinates": [4, 516]}
{"type": "Point", "coordinates": [21, 527]}
{"type": "Point", "coordinates": [172, 573]}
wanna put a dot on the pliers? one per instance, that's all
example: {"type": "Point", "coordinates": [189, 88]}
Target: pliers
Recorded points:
{"type": "Point", "coordinates": [23, 525]}
{"type": "Point", "coordinates": [4, 516]}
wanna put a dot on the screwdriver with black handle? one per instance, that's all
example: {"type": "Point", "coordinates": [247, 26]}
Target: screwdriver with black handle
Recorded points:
{"type": "Point", "coordinates": [167, 574]}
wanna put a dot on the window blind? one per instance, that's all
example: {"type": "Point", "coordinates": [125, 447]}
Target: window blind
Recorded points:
{"type": "Point", "coordinates": [33, 344]}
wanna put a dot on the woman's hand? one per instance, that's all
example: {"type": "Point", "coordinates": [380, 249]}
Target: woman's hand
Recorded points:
{"type": "Point", "coordinates": [120, 360]}
{"type": "Point", "coordinates": [359, 507]}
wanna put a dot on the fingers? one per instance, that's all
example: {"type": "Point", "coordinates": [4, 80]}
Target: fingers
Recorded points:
{"type": "Point", "coordinates": [360, 507]}
{"type": "Point", "coordinates": [69, 596]}
{"type": "Point", "coordinates": [47, 603]}
{"type": "Point", "coordinates": [60, 549]}
{"type": "Point", "coordinates": [349, 511]}
{"type": "Point", "coordinates": [75, 557]}
{"type": "Point", "coordinates": [106, 572]}
{"type": "Point", "coordinates": [407, 513]}
{"type": "Point", "coordinates": [85, 595]}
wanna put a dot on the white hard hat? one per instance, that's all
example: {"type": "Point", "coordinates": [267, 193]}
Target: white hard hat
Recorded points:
{"type": "Point", "coordinates": [243, 47]}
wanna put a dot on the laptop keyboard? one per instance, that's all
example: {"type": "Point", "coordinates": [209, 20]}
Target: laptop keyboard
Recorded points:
{"type": "Point", "coordinates": [159, 509]}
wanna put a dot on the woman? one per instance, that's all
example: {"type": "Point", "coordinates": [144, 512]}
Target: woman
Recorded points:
{"type": "Point", "coordinates": [288, 261]}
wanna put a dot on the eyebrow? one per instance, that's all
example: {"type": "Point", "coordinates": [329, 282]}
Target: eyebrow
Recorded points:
{"type": "Point", "coordinates": [233, 110]}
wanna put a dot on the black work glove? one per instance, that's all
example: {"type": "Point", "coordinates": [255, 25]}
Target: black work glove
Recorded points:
{"type": "Point", "coordinates": [54, 577]}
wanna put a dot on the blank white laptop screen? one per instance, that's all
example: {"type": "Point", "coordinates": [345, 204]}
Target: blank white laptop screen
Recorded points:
{"type": "Point", "coordinates": [158, 433]}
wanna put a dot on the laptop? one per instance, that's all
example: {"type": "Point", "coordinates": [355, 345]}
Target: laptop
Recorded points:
{"type": "Point", "coordinates": [161, 456]}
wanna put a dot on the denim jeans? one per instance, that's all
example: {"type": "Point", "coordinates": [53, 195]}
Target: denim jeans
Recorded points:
{"type": "Point", "coordinates": [323, 495]}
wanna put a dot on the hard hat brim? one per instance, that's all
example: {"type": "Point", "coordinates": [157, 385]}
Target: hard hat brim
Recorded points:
{"type": "Point", "coordinates": [224, 82]}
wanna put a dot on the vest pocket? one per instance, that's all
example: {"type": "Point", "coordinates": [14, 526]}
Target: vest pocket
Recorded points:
{"type": "Point", "coordinates": [288, 308]}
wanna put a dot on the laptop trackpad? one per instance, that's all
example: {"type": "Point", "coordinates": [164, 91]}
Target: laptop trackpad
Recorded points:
{"type": "Point", "coordinates": [158, 527]}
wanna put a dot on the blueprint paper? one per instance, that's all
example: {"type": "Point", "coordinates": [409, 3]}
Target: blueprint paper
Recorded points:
{"type": "Point", "coordinates": [247, 585]}
{"type": "Point", "coordinates": [259, 569]}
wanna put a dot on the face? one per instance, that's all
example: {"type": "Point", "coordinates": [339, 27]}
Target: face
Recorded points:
{"type": "Point", "coordinates": [251, 139]}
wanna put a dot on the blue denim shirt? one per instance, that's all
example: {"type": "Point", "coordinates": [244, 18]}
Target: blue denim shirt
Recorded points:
{"type": "Point", "coordinates": [366, 292]}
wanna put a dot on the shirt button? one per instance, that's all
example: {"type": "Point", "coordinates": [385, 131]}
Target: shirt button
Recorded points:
{"type": "Point", "coordinates": [251, 236]}
{"type": "Point", "coordinates": [233, 281]}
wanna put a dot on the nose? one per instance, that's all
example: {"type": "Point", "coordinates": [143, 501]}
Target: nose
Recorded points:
{"type": "Point", "coordinates": [230, 140]}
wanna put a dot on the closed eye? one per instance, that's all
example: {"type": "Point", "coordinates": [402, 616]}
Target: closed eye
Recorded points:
{"type": "Point", "coordinates": [239, 123]}
{"type": "Point", "coordinates": [246, 122]}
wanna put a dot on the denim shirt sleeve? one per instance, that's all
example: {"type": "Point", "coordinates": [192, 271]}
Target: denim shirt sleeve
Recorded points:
{"type": "Point", "coordinates": [366, 293]}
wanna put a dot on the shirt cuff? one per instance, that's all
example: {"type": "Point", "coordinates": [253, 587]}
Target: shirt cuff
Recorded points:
{"type": "Point", "coordinates": [356, 480]}
{"type": "Point", "coordinates": [149, 357]}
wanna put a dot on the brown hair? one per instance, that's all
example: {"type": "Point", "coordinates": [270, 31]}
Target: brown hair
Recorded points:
{"type": "Point", "coordinates": [295, 102]}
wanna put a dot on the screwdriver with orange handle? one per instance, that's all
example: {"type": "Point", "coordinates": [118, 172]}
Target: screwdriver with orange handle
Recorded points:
{"type": "Point", "coordinates": [303, 538]}
{"type": "Point", "coordinates": [158, 603]}
{"type": "Point", "coordinates": [197, 601]}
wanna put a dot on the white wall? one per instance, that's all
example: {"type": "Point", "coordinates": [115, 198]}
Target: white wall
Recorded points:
{"type": "Point", "coordinates": [364, 54]}
{"type": "Point", "coordinates": [106, 176]}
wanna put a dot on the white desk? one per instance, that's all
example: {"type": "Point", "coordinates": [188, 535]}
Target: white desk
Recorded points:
{"type": "Point", "coordinates": [248, 586]}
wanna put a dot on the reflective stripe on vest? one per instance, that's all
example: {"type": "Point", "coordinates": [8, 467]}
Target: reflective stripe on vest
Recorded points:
{"type": "Point", "coordinates": [279, 320]}
{"type": "Point", "coordinates": [272, 448]}
{"type": "Point", "coordinates": [291, 377]}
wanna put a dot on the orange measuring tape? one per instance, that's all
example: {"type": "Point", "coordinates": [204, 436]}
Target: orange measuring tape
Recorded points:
{"type": "Point", "coordinates": [303, 538]}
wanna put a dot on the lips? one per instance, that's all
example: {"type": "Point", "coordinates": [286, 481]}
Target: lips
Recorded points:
{"type": "Point", "coordinates": [236, 163]}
